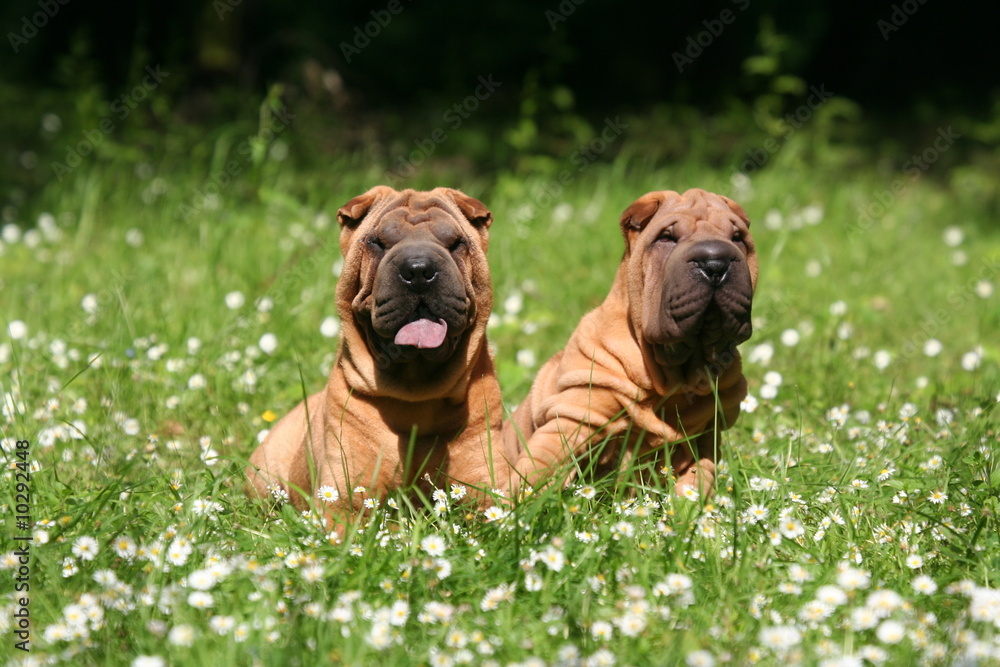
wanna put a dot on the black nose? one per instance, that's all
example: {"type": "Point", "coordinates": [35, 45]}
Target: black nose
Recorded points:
{"type": "Point", "coordinates": [417, 270]}
{"type": "Point", "coordinates": [713, 258]}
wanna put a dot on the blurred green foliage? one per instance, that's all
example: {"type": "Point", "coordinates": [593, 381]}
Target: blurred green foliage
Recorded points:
{"type": "Point", "coordinates": [757, 106]}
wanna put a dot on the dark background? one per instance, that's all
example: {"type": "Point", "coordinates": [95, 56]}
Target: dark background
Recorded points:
{"type": "Point", "coordinates": [900, 72]}
{"type": "Point", "coordinates": [609, 54]}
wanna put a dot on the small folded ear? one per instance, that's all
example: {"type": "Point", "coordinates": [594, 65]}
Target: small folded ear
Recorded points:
{"type": "Point", "coordinates": [354, 211]}
{"type": "Point", "coordinates": [473, 209]}
{"type": "Point", "coordinates": [640, 212]}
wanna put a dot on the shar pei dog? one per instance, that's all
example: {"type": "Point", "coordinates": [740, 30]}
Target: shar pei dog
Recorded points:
{"type": "Point", "coordinates": [653, 374]}
{"type": "Point", "coordinates": [412, 400]}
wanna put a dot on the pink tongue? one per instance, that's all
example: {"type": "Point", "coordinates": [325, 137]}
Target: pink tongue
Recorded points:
{"type": "Point", "coordinates": [423, 334]}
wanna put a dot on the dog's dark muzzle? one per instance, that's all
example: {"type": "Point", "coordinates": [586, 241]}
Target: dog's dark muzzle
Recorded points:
{"type": "Point", "coordinates": [712, 260]}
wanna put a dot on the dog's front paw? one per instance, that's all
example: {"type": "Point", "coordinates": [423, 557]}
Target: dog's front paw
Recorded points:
{"type": "Point", "coordinates": [700, 476]}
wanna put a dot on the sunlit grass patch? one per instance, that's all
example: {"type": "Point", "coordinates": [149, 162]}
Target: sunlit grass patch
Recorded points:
{"type": "Point", "coordinates": [855, 514]}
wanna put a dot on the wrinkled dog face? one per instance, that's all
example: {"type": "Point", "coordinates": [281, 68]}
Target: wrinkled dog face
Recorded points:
{"type": "Point", "coordinates": [698, 268]}
{"type": "Point", "coordinates": [418, 288]}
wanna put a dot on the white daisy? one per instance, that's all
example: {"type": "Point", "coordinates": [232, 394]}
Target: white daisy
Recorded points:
{"type": "Point", "coordinates": [330, 327]}
{"type": "Point", "coordinates": [268, 343]}
{"type": "Point", "coordinates": [433, 545]}
{"type": "Point", "coordinates": [553, 558]}
{"type": "Point", "coordinates": [780, 638]}
{"type": "Point", "coordinates": [924, 584]}
{"type": "Point", "coordinates": [235, 300]}
{"type": "Point", "coordinates": [85, 548]}
{"type": "Point", "coordinates": [890, 632]}
{"type": "Point", "coordinates": [181, 635]}
{"type": "Point", "coordinates": [328, 494]}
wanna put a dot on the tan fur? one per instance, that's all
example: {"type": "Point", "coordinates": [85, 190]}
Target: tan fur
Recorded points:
{"type": "Point", "coordinates": [359, 428]}
{"type": "Point", "coordinates": [606, 396]}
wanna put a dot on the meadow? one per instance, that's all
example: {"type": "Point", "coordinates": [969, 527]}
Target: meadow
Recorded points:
{"type": "Point", "coordinates": [161, 309]}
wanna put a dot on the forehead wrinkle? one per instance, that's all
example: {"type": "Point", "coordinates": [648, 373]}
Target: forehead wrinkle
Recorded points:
{"type": "Point", "coordinates": [385, 205]}
{"type": "Point", "coordinates": [698, 212]}
{"type": "Point", "coordinates": [699, 206]}
{"type": "Point", "coordinates": [417, 217]}
{"type": "Point", "coordinates": [417, 214]}
{"type": "Point", "coordinates": [411, 206]}
{"type": "Point", "coordinates": [688, 213]}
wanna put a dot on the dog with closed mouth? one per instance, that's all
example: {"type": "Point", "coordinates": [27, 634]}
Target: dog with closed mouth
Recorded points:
{"type": "Point", "coordinates": [653, 374]}
{"type": "Point", "coordinates": [412, 400]}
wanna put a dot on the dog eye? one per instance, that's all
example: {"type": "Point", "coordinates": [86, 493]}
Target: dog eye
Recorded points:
{"type": "Point", "coordinates": [667, 235]}
{"type": "Point", "coordinates": [376, 242]}
{"type": "Point", "coordinates": [456, 244]}
{"type": "Point", "coordinates": [737, 237]}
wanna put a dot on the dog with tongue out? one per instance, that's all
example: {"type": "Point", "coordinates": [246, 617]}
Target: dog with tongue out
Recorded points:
{"type": "Point", "coordinates": [412, 401]}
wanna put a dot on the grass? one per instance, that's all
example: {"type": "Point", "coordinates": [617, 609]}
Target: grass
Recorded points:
{"type": "Point", "coordinates": [856, 510]}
